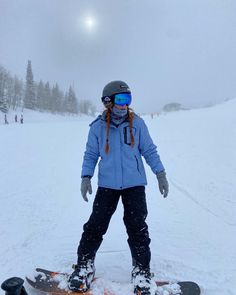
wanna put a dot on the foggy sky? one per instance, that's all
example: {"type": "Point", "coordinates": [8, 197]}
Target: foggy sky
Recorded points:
{"type": "Point", "coordinates": [166, 50]}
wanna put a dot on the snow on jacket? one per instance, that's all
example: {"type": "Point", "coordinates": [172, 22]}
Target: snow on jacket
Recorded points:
{"type": "Point", "coordinates": [122, 167]}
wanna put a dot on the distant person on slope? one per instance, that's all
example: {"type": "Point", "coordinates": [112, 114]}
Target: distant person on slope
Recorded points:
{"type": "Point", "coordinates": [119, 138]}
{"type": "Point", "coordinates": [5, 119]}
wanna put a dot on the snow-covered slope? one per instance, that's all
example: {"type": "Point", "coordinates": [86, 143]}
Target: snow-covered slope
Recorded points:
{"type": "Point", "coordinates": [193, 231]}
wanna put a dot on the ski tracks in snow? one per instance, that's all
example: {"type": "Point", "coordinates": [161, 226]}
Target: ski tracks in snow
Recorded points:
{"type": "Point", "coordinates": [188, 195]}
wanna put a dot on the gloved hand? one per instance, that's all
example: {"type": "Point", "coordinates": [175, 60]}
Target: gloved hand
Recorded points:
{"type": "Point", "coordinates": [86, 187]}
{"type": "Point", "coordinates": [163, 183]}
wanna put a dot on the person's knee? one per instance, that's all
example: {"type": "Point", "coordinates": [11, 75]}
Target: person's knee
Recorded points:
{"type": "Point", "coordinates": [136, 229]}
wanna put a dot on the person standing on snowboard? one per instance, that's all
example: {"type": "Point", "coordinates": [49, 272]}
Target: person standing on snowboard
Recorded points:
{"type": "Point", "coordinates": [118, 138]}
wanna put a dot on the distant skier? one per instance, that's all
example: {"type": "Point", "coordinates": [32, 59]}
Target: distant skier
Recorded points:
{"type": "Point", "coordinates": [21, 119]}
{"type": "Point", "coordinates": [120, 138]}
{"type": "Point", "coordinates": [16, 119]}
{"type": "Point", "coordinates": [5, 119]}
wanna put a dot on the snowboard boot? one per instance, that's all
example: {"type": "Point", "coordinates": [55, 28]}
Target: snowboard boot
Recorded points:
{"type": "Point", "coordinates": [81, 279]}
{"type": "Point", "coordinates": [142, 280]}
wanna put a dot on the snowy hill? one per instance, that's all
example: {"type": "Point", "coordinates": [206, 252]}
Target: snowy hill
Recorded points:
{"type": "Point", "coordinates": [193, 231]}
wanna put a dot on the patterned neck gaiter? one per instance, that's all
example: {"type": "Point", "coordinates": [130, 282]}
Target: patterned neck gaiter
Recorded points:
{"type": "Point", "coordinates": [118, 116]}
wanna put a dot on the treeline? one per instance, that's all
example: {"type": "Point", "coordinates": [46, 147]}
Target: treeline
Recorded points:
{"type": "Point", "coordinates": [17, 94]}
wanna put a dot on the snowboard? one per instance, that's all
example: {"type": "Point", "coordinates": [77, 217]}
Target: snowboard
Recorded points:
{"type": "Point", "coordinates": [55, 283]}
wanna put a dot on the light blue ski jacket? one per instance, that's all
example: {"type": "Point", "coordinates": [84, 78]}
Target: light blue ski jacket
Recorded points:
{"type": "Point", "coordinates": [122, 167]}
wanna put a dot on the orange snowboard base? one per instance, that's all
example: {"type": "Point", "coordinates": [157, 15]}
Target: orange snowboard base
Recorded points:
{"type": "Point", "coordinates": [55, 283]}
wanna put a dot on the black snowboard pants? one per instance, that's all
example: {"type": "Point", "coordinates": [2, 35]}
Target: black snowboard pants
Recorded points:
{"type": "Point", "coordinates": [135, 213]}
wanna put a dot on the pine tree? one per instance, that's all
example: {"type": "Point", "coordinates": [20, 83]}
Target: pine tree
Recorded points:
{"type": "Point", "coordinates": [85, 106]}
{"type": "Point", "coordinates": [40, 95]}
{"type": "Point", "coordinates": [71, 102]}
{"type": "Point", "coordinates": [47, 97]}
{"type": "Point", "coordinates": [14, 93]}
{"type": "Point", "coordinates": [30, 97]}
{"type": "Point", "coordinates": [4, 78]}
{"type": "Point", "coordinates": [18, 93]}
{"type": "Point", "coordinates": [3, 83]}
{"type": "Point", "coordinates": [9, 90]}
{"type": "Point", "coordinates": [1, 104]}
{"type": "Point", "coordinates": [57, 99]}
{"type": "Point", "coordinates": [4, 106]}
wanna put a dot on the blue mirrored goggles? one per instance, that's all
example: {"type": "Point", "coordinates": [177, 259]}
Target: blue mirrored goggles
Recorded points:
{"type": "Point", "coordinates": [122, 99]}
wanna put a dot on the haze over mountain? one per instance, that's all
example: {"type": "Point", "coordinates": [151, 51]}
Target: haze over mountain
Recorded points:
{"type": "Point", "coordinates": [168, 51]}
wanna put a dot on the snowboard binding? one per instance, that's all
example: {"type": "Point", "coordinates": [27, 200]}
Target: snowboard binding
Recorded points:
{"type": "Point", "coordinates": [80, 280]}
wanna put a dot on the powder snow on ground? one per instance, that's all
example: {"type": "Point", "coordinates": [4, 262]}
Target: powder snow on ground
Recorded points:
{"type": "Point", "coordinates": [193, 231]}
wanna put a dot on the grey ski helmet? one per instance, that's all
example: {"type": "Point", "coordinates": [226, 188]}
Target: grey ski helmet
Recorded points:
{"type": "Point", "coordinates": [112, 88]}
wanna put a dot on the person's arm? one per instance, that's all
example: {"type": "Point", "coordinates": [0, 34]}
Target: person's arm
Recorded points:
{"type": "Point", "coordinates": [91, 154]}
{"type": "Point", "coordinates": [149, 150]}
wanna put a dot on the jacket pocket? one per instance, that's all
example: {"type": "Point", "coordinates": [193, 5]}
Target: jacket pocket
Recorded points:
{"type": "Point", "coordinates": [127, 138]}
{"type": "Point", "coordinates": [137, 163]}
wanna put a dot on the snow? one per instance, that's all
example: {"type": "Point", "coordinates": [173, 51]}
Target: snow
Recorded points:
{"type": "Point", "coordinates": [193, 231]}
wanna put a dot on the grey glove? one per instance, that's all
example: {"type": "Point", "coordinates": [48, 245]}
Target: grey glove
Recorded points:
{"type": "Point", "coordinates": [163, 183]}
{"type": "Point", "coordinates": [86, 187]}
